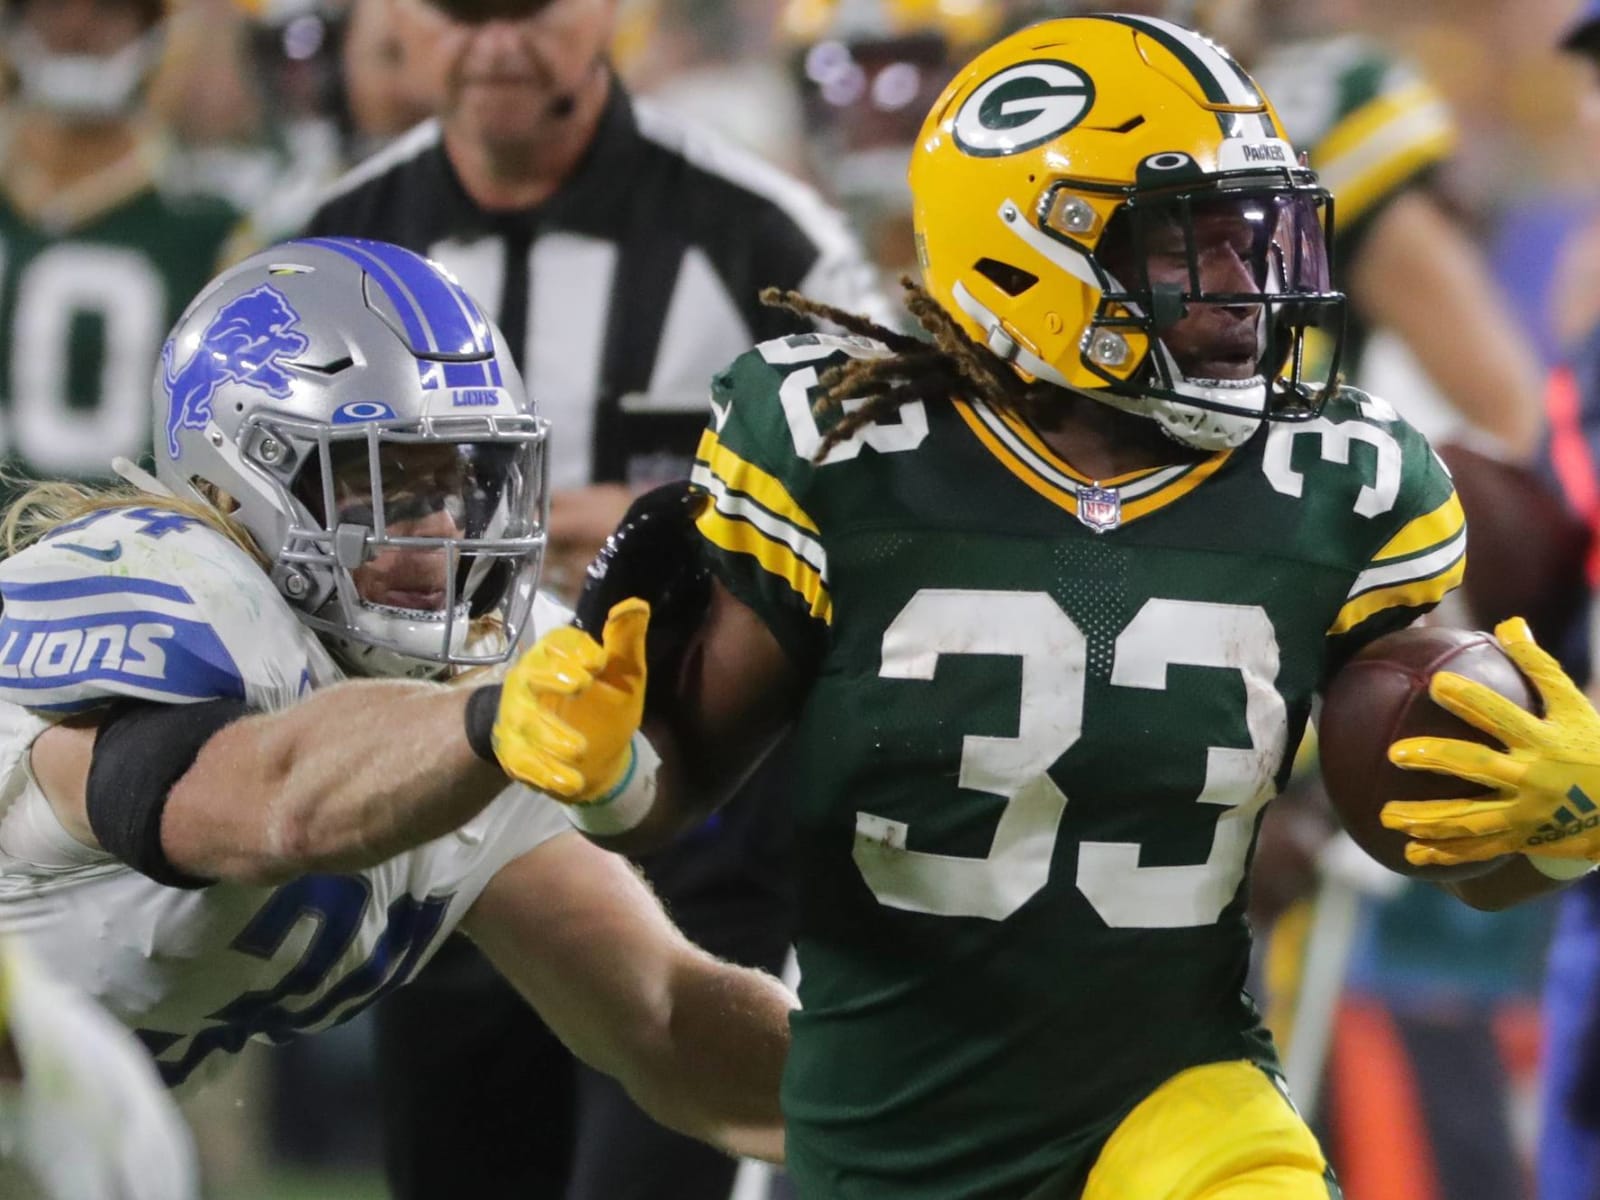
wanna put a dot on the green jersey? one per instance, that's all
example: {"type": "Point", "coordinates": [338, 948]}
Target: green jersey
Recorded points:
{"type": "Point", "coordinates": [83, 312]}
{"type": "Point", "coordinates": [1043, 719]}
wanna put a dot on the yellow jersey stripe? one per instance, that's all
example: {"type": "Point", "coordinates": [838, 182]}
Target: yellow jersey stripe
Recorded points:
{"type": "Point", "coordinates": [742, 476]}
{"type": "Point", "coordinates": [1177, 489]}
{"type": "Point", "coordinates": [1427, 531]}
{"type": "Point", "coordinates": [741, 537]}
{"type": "Point", "coordinates": [1029, 436]}
{"type": "Point", "coordinates": [1393, 123]}
{"type": "Point", "coordinates": [1394, 571]}
{"type": "Point", "coordinates": [1060, 497]}
{"type": "Point", "coordinates": [1178, 485]}
{"type": "Point", "coordinates": [1381, 144]}
{"type": "Point", "coordinates": [1356, 196]}
{"type": "Point", "coordinates": [1416, 593]}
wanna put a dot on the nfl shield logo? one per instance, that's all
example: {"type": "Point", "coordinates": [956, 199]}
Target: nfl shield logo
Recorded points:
{"type": "Point", "coordinates": [1100, 508]}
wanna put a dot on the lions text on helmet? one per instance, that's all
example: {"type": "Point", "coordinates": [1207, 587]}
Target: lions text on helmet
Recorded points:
{"type": "Point", "coordinates": [1144, 235]}
{"type": "Point", "coordinates": [399, 497]}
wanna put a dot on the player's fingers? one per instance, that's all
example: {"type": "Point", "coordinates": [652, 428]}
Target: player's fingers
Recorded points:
{"type": "Point", "coordinates": [528, 764]}
{"type": "Point", "coordinates": [1458, 853]}
{"type": "Point", "coordinates": [554, 735]}
{"type": "Point", "coordinates": [624, 639]}
{"type": "Point", "coordinates": [1483, 708]}
{"type": "Point", "coordinates": [1442, 820]}
{"type": "Point", "coordinates": [536, 725]}
{"type": "Point", "coordinates": [562, 670]}
{"type": "Point", "coordinates": [1555, 687]}
{"type": "Point", "coordinates": [1450, 756]}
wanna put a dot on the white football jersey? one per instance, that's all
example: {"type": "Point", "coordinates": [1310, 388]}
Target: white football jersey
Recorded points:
{"type": "Point", "coordinates": [144, 603]}
{"type": "Point", "coordinates": [89, 1119]}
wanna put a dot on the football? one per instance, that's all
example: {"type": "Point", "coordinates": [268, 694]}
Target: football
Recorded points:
{"type": "Point", "coordinates": [1381, 696]}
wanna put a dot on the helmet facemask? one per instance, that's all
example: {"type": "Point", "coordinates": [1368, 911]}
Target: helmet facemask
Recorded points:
{"type": "Point", "coordinates": [370, 431]}
{"type": "Point", "coordinates": [413, 543]}
{"type": "Point", "coordinates": [1226, 280]}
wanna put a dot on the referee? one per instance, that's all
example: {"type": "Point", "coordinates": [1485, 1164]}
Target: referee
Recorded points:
{"type": "Point", "coordinates": [622, 255]}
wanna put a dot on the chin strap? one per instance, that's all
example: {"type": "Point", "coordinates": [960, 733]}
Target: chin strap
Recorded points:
{"type": "Point", "coordinates": [131, 472]}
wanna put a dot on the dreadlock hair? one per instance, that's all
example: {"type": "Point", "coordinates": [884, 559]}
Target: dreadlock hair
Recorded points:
{"type": "Point", "coordinates": [950, 365]}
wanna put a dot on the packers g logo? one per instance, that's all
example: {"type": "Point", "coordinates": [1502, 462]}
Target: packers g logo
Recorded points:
{"type": "Point", "coordinates": [1023, 106]}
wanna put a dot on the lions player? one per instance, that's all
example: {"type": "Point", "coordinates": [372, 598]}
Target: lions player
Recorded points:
{"type": "Point", "coordinates": [214, 833]}
{"type": "Point", "coordinates": [1047, 602]}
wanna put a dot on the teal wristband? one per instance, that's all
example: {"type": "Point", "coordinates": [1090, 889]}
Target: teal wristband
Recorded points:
{"type": "Point", "coordinates": [629, 802]}
{"type": "Point", "coordinates": [621, 784]}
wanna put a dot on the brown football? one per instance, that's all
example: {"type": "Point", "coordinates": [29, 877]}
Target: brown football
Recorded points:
{"type": "Point", "coordinates": [1381, 696]}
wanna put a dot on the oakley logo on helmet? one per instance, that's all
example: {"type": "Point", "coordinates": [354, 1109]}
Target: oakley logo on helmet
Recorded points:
{"type": "Point", "coordinates": [1022, 107]}
{"type": "Point", "coordinates": [358, 411]}
{"type": "Point", "coordinates": [244, 343]}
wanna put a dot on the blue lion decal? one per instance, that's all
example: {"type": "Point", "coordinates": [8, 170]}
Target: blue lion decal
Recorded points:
{"type": "Point", "coordinates": [244, 343]}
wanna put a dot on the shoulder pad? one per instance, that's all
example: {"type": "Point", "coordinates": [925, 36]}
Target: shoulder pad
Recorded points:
{"type": "Point", "coordinates": [145, 603]}
{"type": "Point", "coordinates": [767, 391]}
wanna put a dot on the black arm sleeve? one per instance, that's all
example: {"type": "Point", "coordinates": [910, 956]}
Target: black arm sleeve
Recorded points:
{"type": "Point", "coordinates": [140, 751]}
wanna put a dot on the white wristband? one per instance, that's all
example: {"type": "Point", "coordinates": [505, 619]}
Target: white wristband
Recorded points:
{"type": "Point", "coordinates": [629, 802]}
{"type": "Point", "coordinates": [1563, 870]}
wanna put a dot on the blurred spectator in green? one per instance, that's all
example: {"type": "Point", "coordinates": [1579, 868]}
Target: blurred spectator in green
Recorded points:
{"type": "Point", "coordinates": [97, 258]}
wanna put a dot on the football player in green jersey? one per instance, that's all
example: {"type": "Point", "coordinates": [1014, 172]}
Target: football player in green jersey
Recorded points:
{"type": "Point", "coordinates": [96, 261]}
{"type": "Point", "coordinates": [1046, 601]}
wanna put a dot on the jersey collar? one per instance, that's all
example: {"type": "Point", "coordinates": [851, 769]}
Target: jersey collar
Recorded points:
{"type": "Point", "coordinates": [1018, 448]}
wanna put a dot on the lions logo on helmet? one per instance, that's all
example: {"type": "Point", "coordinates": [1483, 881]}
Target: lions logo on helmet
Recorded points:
{"type": "Point", "coordinates": [243, 344]}
{"type": "Point", "coordinates": [1038, 191]}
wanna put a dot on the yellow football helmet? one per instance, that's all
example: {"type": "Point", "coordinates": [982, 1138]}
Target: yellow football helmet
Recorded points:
{"type": "Point", "coordinates": [1071, 146]}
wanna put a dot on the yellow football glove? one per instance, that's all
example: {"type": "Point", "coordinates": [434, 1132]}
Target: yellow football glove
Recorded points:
{"type": "Point", "coordinates": [570, 705]}
{"type": "Point", "coordinates": [1546, 784]}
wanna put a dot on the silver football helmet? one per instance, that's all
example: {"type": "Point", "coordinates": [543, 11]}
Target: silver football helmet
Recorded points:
{"type": "Point", "coordinates": [367, 421]}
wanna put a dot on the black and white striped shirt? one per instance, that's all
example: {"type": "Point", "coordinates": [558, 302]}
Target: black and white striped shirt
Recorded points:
{"type": "Point", "coordinates": [622, 294]}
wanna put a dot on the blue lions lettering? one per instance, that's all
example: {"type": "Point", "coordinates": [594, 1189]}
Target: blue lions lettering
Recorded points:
{"type": "Point", "coordinates": [243, 344]}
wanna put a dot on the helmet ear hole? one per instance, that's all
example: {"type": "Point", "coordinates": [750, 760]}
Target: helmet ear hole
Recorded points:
{"type": "Point", "coordinates": [1011, 280]}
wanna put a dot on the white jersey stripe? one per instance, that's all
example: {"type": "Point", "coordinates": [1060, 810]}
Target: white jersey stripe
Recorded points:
{"type": "Point", "coordinates": [1413, 568]}
{"type": "Point", "coordinates": [741, 508]}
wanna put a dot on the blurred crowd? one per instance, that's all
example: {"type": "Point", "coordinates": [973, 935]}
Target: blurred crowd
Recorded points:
{"type": "Point", "coordinates": [146, 142]}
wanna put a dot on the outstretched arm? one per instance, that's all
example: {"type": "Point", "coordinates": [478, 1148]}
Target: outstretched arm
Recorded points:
{"type": "Point", "coordinates": [697, 1042]}
{"type": "Point", "coordinates": [348, 777]}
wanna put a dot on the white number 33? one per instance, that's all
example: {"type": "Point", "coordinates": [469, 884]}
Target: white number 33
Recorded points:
{"type": "Point", "coordinates": [1032, 626]}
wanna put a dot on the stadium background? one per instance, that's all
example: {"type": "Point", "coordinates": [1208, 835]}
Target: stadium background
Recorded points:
{"type": "Point", "coordinates": [240, 96]}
